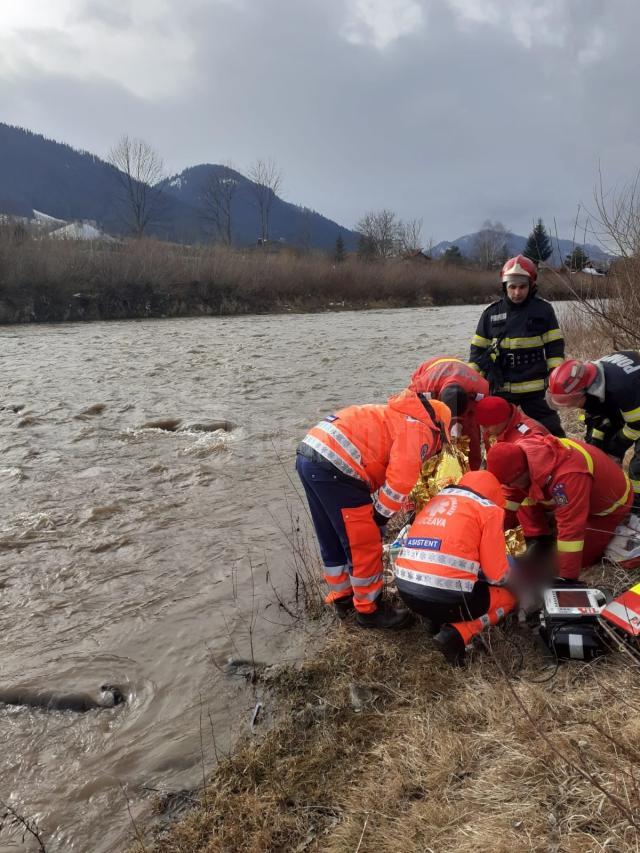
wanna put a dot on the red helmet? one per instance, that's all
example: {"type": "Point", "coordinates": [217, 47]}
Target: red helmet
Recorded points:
{"type": "Point", "coordinates": [519, 266]}
{"type": "Point", "coordinates": [569, 381]}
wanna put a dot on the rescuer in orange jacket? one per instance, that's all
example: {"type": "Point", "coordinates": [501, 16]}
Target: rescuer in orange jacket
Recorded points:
{"type": "Point", "coordinates": [357, 468]}
{"type": "Point", "coordinates": [456, 384]}
{"type": "Point", "coordinates": [453, 563]}
{"type": "Point", "coordinates": [587, 492]}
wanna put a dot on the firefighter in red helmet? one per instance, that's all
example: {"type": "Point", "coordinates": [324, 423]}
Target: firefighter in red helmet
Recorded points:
{"type": "Point", "coordinates": [609, 392]}
{"type": "Point", "coordinates": [518, 342]}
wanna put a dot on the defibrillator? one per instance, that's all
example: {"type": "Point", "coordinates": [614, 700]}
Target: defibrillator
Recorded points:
{"type": "Point", "coordinates": [578, 623]}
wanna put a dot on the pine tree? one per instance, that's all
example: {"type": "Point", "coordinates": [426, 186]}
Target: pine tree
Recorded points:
{"type": "Point", "coordinates": [339, 254]}
{"type": "Point", "coordinates": [538, 246]}
{"type": "Point", "coordinates": [452, 255]}
{"type": "Point", "coordinates": [578, 259]}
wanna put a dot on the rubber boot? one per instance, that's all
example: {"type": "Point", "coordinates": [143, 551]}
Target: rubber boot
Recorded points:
{"type": "Point", "coordinates": [385, 616]}
{"type": "Point", "coordinates": [450, 643]}
{"type": "Point", "coordinates": [343, 606]}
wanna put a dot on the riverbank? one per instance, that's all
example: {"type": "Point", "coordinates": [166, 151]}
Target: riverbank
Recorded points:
{"type": "Point", "coordinates": [379, 746]}
{"type": "Point", "coordinates": [44, 281]}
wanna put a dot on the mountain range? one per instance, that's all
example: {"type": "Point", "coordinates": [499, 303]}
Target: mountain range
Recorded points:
{"type": "Point", "coordinates": [515, 244]}
{"type": "Point", "coordinates": [43, 175]}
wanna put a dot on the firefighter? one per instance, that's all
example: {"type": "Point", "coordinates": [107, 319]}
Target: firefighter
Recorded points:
{"type": "Point", "coordinates": [518, 342]}
{"type": "Point", "coordinates": [502, 421]}
{"type": "Point", "coordinates": [588, 494]}
{"type": "Point", "coordinates": [357, 468]}
{"type": "Point", "coordinates": [453, 563]}
{"type": "Point", "coordinates": [452, 381]}
{"type": "Point", "coordinates": [609, 392]}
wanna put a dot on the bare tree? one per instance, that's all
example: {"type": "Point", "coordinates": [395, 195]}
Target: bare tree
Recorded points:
{"type": "Point", "coordinates": [380, 230]}
{"type": "Point", "coordinates": [618, 217]}
{"type": "Point", "coordinates": [217, 201]}
{"type": "Point", "coordinates": [141, 176]}
{"type": "Point", "coordinates": [410, 232]}
{"type": "Point", "coordinates": [490, 244]}
{"type": "Point", "coordinates": [266, 180]}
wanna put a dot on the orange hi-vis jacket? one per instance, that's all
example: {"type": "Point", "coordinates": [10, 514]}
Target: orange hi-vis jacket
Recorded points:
{"type": "Point", "coordinates": [382, 445]}
{"type": "Point", "coordinates": [574, 480]}
{"type": "Point", "coordinates": [435, 374]}
{"type": "Point", "coordinates": [457, 537]}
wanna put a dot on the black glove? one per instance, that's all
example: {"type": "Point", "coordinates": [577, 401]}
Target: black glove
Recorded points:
{"type": "Point", "coordinates": [617, 445]}
{"type": "Point", "coordinates": [380, 519]}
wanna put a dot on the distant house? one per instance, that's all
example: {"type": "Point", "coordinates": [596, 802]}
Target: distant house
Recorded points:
{"type": "Point", "coordinates": [80, 230]}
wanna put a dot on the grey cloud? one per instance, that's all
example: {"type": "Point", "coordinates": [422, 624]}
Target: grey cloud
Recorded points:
{"type": "Point", "coordinates": [115, 15]}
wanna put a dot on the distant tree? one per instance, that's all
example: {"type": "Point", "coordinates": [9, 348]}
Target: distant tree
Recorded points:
{"type": "Point", "coordinates": [538, 247]}
{"type": "Point", "coordinates": [577, 259]}
{"type": "Point", "coordinates": [382, 232]}
{"type": "Point", "coordinates": [366, 249]}
{"type": "Point", "coordinates": [490, 244]}
{"type": "Point", "coordinates": [409, 234]}
{"type": "Point", "coordinates": [217, 202]}
{"type": "Point", "coordinates": [453, 255]}
{"type": "Point", "coordinates": [266, 180]}
{"type": "Point", "coordinates": [141, 177]}
{"type": "Point", "coordinates": [304, 237]}
{"type": "Point", "coordinates": [339, 254]}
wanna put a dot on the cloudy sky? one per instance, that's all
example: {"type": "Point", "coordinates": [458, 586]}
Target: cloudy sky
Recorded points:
{"type": "Point", "coordinates": [450, 110]}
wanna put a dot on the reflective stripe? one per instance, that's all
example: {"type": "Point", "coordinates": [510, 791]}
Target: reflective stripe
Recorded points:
{"type": "Point", "coordinates": [437, 581]}
{"type": "Point", "coordinates": [552, 335]}
{"type": "Point", "coordinates": [521, 343]}
{"type": "Point", "coordinates": [463, 493]}
{"type": "Point", "coordinates": [335, 571]}
{"type": "Point", "coordinates": [339, 587]}
{"type": "Point", "coordinates": [476, 367]}
{"type": "Point", "coordinates": [342, 440]}
{"type": "Point", "coordinates": [554, 362]}
{"type": "Point", "coordinates": [633, 434]}
{"type": "Point", "coordinates": [382, 509]}
{"type": "Point", "coordinates": [636, 485]}
{"type": "Point", "coordinates": [331, 456]}
{"type": "Point", "coordinates": [576, 647]}
{"type": "Point", "coordinates": [575, 446]}
{"type": "Point", "coordinates": [597, 433]}
{"type": "Point", "coordinates": [484, 620]}
{"type": "Point", "coordinates": [479, 341]}
{"type": "Point", "coordinates": [632, 414]}
{"type": "Point", "coordinates": [618, 503]}
{"type": "Point", "coordinates": [570, 546]}
{"type": "Point", "coordinates": [500, 612]}
{"type": "Point", "coordinates": [512, 506]}
{"type": "Point", "coordinates": [366, 596]}
{"type": "Point", "coordinates": [523, 387]}
{"type": "Point", "coordinates": [355, 582]}
{"type": "Point", "coordinates": [417, 555]}
{"type": "Point", "coordinates": [391, 493]}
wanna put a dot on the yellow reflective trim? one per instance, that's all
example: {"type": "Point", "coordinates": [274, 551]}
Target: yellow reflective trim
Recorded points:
{"type": "Point", "coordinates": [575, 446]}
{"type": "Point", "coordinates": [479, 341]}
{"type": "Point", "coordinates": [521, 343]}
{"type": "Point", "coordinates": [623, 500]}
{"type": "Point", "coordinates": [523, 387]}
{"type": "Point", "coordinates": [635, 484]}
{"type": "Point", "coordinates": [635, 589]}
{"type": "Point", "coordinates": [582, 416]}
{"type": "Point", "coordinates": [512, 505]}
{"type": "Point", "coordinates": [527, 502]}
{"type": "Point", "coordinates": [632, 414]}
{"type": "Point", "coordinates": [554, 362]}
{"type": "Point", "coordinates": [552, 335]}
{"type": "Point", "coordinates": [570, 546]}
{"type": "Point", "coordinates": [447, 361]}
{"type": "Point", "coordinates": [633, 434]}
{"type": "Point", "coordinates": [597, 433]}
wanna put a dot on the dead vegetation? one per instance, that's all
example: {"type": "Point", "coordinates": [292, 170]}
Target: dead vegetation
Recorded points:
{"type": "Point", "coordinates": [380, 746]}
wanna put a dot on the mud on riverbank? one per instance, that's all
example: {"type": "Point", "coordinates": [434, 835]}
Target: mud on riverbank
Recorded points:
{"type": "Point", "coordinates": [378, 745]}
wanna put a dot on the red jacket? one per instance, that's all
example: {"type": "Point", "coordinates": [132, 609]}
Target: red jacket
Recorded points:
{"type": "Point", "coordinates": [457, 535]}
{"type": "Point", "coordinates": [382, 445]}
{"type": "Point", "coordinates": [576, 481]}
{"type": "Point", "coordinates": [518, 426]}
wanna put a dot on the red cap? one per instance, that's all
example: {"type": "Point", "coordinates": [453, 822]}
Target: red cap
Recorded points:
{"type": "Point", "coordinates": [507, 462]}
{"type": "Point", "coordinates": [492, 410]}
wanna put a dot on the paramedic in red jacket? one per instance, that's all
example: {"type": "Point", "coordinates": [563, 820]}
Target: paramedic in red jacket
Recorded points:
{"type": "Point", "coordinates": [588, 494]}
{"type": "Point", "coordinates": [503, 421]}
{"type": "Point", "coordinates": [456, 384]}
{"type": "Point", "coordinates": [357, 468]}
{"type": "Point", "coordinates": [453, 564]}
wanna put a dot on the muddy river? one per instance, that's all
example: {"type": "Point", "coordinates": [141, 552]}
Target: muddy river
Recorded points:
{"type": "Point", "coordinates": [127, 547]}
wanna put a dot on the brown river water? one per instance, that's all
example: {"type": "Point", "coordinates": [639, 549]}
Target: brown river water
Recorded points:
{"type": "Point", "coordinates": [126, 551]}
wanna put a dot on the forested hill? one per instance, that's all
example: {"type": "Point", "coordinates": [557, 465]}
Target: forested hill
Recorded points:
{"type": "Point", "coordinates": [41, 174]}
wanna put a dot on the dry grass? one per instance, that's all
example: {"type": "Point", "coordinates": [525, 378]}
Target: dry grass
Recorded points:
{"type": "Point", "coordinates": [441, 760]}
{"type": "Point", "coordinates": [43, 279]}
